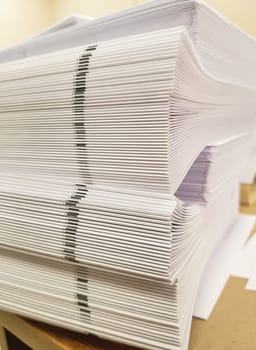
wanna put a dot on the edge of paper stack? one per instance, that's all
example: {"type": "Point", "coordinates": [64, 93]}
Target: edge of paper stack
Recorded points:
{"type": "Point", "coordinates": [123, 140]}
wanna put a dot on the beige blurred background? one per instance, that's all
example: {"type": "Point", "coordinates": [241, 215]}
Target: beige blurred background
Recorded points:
{"type": "Point", "coordinates": [20, 19]}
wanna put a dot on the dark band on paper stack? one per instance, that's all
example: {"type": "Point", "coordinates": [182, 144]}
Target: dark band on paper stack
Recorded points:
{"type": "Point", "coordinates": [80, 139]}
{"type": "Point", "coordinates": [81, 190]}
{"type": "Point", "coordinates": [78, 109]}
{"type": "Point", "coordinates": [73, 221]}
{"type": "Point", "coordinates": [82, 294]}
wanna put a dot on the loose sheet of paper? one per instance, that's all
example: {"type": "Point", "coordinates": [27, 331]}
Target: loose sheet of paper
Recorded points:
{"type": "Point", "coordinates": [220, 265]}
{"type": "Point", "coordinates": [246, 259]}
{"type": "Point", "coordinates": [251, 284]}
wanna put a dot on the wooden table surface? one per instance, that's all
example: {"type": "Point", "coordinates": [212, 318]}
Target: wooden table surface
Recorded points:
{"type": "Point", "coordinates": [232, 325]}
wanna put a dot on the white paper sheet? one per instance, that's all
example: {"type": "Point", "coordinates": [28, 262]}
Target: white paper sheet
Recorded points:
{"type": "Point", "coordinates": [246, 259]}
{"type": "Point", "coordinates": [220, 265]}
{"type": "Point", "coordinates": [251, 284]}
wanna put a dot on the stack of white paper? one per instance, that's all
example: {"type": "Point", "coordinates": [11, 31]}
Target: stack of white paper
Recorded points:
{"type": "Point", "coordinates": [226, 52]}
{"type": "Point", "coordinates": [213, 182]}
{"type": "Point", "coordinates": [216, 165]}
{"type": "Point", "coordinates": [119, 169]}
